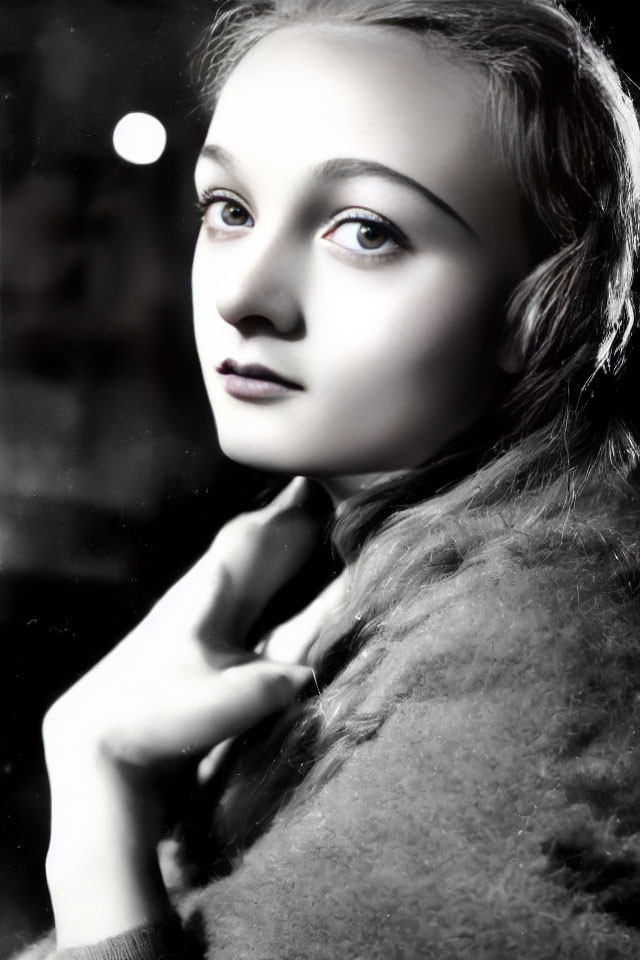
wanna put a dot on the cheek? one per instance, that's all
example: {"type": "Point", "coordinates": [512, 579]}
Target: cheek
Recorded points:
{"type": "Point", "coordinates": [206, 322]}
{"type": "Point", "coordinates": [198, 297]}
{"type": "Point", "coordinates": [201, 285]}
{"type": "Point", "coordinates": [405, 365]}
{"type": "Point", "coordinates": [397, 360]}
{"type": "Point", "coordinates": [435, 323]}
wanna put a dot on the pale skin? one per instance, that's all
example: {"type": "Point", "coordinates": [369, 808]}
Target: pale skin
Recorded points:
{"type": "Point", "coordinates": [377, 294]}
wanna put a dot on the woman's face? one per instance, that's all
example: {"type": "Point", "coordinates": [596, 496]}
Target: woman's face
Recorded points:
{"type": "Point", "coordinates": [359, 239]}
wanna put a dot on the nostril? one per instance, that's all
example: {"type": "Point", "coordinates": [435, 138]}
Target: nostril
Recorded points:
{"type": "Point", "coordinates": [288, 326]}
{"type": "Point", "coordinates": [259, 300]}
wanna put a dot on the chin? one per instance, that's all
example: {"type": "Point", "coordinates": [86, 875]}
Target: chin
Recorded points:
{"type": "Point", "coordinates": [260, 457]}
{"type": "Point", "coordinates": [298, 448]}
{"type": "Point", "coordinates": [298, 461]}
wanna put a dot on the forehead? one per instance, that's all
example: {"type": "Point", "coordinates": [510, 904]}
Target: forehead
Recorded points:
{"type": "Point", "coordinates": [304, 95]}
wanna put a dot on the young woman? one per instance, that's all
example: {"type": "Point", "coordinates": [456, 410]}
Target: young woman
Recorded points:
{"type": "Point", "coordinates": [412, 287]}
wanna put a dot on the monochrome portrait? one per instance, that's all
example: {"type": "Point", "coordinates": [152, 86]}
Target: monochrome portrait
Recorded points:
{"type": "Point", "coordinates": [320, 516]}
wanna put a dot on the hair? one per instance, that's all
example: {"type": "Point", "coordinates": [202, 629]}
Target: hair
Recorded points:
{"type": "Point", "coordinates": [565, 424]}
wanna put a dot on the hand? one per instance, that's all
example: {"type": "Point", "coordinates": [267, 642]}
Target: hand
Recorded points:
{"type": "Point", "coordinates": [182, 680]}
{"type": "Point", "coordinates": [289, 642]}
{"type": "Point", "coordinates": [178, 684]}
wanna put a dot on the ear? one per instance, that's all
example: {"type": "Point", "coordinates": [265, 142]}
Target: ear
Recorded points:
{"type": "Point", "coordinates": [509, 356]}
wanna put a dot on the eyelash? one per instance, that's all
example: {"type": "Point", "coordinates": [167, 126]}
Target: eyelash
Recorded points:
{"type": "Point", "coordinates": [356, 215]}
{"type": "Point", "coordinates": [365, 217]}
{"type": "Point", "coordinates": [208, 197]}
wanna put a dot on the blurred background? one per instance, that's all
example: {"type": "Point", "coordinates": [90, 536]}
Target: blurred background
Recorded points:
{"type": "Point", "coordinates": [110, 479]}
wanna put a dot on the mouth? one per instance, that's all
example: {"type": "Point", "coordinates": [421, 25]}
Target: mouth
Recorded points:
{"type": "Point", "coordinates": [253, 381]}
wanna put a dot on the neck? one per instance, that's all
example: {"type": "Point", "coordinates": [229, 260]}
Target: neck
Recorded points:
{"type": "Point", "coordinates": [344, 486]}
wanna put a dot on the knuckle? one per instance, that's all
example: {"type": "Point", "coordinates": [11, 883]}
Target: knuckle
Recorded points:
{"type": "Point", "coordinates": [49, 723]}
{"type": "Point", "coordinates": [277, 687]}
{"type": "Point", "coordinates": [236, 533]}
{"type": "Point", "coordinates": [73, 719]}
{"type": "Point", "coordinates": [58, 721]}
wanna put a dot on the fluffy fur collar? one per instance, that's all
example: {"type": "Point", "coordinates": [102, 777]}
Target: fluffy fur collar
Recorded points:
{"type": "Point", "coordinates": [480, 796]}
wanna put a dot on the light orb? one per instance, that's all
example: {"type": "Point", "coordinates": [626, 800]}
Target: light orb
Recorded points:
{"type": "Point", "coordinates": [139, 138]}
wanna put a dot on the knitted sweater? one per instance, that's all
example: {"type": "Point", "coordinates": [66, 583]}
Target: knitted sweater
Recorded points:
{"type": "Point", "coordinates": [493, 808]}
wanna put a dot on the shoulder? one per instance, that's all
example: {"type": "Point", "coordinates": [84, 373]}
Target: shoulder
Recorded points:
{"type": "Point", "coordinates": [506, 584]}
{"type": "Point", "coordinates": [485, 795]}
{"type": "Point", "coordinates": [514, 556]}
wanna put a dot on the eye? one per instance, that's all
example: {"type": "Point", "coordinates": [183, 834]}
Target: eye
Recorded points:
{"type": "Point", "coordinates": [223, 214]}
{"type": "Point", "coordinates": [366, 236]}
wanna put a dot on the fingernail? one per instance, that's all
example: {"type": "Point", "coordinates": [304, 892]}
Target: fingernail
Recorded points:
{"type": "Point", "coordinates": [307, 494]}
{"type": "Point", "coordinates": [293, 493]}
{"type": "Point", "coordinates": [293, 683]}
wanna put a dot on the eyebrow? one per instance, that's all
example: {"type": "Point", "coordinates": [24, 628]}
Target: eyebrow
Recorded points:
{"type": "Point", "coordinates": [343, 168]}
{"type": "Point", "coordinates": [212, 151]}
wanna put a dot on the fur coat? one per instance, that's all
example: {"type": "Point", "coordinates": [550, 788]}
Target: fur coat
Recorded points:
{"type": "Point", "coordinates": [487, 802]}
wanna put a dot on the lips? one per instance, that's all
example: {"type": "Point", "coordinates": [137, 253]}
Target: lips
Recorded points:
{"type": "Point", "coordinates": [255, 371]}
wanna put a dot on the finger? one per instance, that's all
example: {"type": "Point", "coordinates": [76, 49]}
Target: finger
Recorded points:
{"type": "Point", "coordinates": [211, 763]}
{"type": "Point", "coordinates": [258, 553]}
{"type": "Point", "coordinates": [302, 501]}
{"type": "Point", "coordinates": [218, 707]}
{"type": "Point", "coordinates": [292, 496]}
{"type": "Point", "coordinates": [288, 527]}
{"type": "Point", "coordinates": [252, 691]}
{"type": "Point", "coordinates": [291, 641]}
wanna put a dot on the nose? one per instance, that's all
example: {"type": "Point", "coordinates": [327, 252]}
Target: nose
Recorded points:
{"type": "Point", "coordinates": [260, 284]}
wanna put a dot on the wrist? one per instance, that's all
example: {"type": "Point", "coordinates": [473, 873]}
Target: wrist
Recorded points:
{"type": "Point", "coordinates": [102, 866]}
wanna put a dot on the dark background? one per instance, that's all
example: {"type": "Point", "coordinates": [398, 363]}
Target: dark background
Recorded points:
{"type": "Point", "coordinates": [111, 482]}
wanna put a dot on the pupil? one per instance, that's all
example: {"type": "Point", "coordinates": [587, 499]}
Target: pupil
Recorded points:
{"type": "Point", "coordinates": [371, 236]}
{"type": "Point", "coordinates": [234, 215]}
